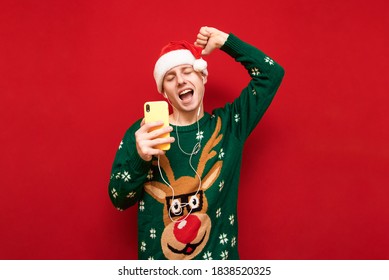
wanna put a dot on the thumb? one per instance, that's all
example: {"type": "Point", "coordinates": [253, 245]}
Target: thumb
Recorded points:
{"type": "Point", "coordinates": [207, 50]}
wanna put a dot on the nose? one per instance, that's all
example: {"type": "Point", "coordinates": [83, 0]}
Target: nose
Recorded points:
{"type": "Point", "coordinates": [180, 79]}
{"type": "Point", "coordinates": [187, 229]}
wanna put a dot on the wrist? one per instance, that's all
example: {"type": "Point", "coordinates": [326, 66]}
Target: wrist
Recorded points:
{"type": "Point", "coordinates": [223, 38]}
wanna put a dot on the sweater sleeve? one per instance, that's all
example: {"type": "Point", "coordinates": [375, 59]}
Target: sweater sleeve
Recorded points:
{"type": "Point", "coordinates": [129, 172]}
{"type": "Point", "coordinates": [266, 76]}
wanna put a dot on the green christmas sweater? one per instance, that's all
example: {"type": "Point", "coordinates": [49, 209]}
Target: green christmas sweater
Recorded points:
{"type": "Point", "coordinates": [179, 215]}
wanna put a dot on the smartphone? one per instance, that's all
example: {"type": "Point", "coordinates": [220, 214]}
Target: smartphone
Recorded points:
{"type": "Point", "coordinates": [158, 111]}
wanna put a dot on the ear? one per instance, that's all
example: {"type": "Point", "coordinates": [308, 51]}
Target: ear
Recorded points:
{"type": "Point", "coordinates": [156, 191]}
{"type": "Point", "coordinates": [205, 78]}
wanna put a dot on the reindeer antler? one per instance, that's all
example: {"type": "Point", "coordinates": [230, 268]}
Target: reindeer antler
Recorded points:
{"type": "Point", "coordinates": [165, 165]}
{"type": "Point", "coordinates": [207, 152]}
{"type": "Point", "coordinates": [206, 155]}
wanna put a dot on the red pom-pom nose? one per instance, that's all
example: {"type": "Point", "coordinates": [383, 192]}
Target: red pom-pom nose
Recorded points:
{"type": "Point", "coordinates": [186, 230]}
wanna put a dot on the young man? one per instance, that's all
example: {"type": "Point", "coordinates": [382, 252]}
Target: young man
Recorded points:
{"type": "Point", "coordinates": [187, 196]}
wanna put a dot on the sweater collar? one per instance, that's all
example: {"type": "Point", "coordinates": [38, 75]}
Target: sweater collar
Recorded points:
{"type": "Point", "coordinates": [192, 127]}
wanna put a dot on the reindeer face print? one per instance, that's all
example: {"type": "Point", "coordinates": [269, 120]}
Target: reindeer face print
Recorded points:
{"type": "Point", "coordinates": [187, 235]}
{"type": "Point", "coordinates": [187, 224]}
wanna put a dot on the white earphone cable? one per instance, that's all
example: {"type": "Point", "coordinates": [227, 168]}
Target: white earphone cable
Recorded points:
{"type": "Point", "coordinates": [195, 150]}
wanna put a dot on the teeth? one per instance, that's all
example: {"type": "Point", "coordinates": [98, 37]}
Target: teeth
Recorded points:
{"type": "Point", "coordinates": [185, 91]}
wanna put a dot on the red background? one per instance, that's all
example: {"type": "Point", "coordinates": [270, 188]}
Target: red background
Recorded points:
{"type": "Point", "coordinates": [74, 75]}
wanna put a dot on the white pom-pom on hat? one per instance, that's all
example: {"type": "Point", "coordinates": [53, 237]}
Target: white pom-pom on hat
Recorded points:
{"type": "Point", "coordinates": [178, 53]}
{"type": "Point", "coordinates": [200, 65]}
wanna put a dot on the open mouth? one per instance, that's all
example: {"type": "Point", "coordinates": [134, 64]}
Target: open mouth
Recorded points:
{"type": "Point", "coordinates": [188, 249]}
{"type": "Point", "coordinates": [186, 95]}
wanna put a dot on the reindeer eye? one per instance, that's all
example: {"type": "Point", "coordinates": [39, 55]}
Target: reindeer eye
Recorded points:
{"type": "Point", "coordinates": [176, 207]}
{"type": "Point", "coordinates": [194, 202]}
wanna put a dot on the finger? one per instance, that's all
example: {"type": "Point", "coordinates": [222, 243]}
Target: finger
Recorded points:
{"type": "Point", "coordinates": [202, 41]}
{"type": "Point", "coordinates": [204, 31]}
{"type": "Point", "coordinates": [158, 133]}
{"type": "Point", "coordinates": [146, 132]}
{"type": "Point", "coordinates": [149, 146]}
{"type": "Point", "coordinates": [200, 44]}
{"type": "Point", "coordinates": [160, 141]}
{"type": "Point", "coordinates": [148, 126]}
{"type": "Point", "coordinates": [206, 51]}
{"type": "Point", "coordinates": [147, 153]}
{"type": "Point", "coordinates": [202, 37]}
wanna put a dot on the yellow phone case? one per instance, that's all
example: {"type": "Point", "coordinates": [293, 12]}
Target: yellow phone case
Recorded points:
{"type": "Point", "coordinates": [158, 111]}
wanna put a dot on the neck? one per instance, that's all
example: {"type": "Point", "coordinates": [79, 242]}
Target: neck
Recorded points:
{"type": "Point", "coordinates": [186, 118]}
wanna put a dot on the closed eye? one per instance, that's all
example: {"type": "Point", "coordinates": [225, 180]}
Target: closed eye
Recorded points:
{"type": "Point", "coordinates": [169, 78]}
{"type": "Point", "coordinates": [188, 70]}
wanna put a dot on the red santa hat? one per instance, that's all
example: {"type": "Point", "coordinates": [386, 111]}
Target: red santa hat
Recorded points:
{"type": "Point", "coordinates": [178, 53]}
